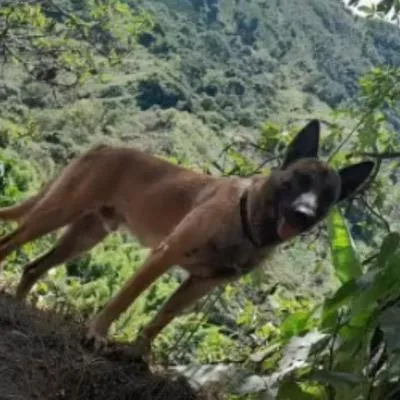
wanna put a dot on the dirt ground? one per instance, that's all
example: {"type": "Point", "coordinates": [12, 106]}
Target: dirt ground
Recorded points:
{"type": "Point", "coordinates": [42, 357]}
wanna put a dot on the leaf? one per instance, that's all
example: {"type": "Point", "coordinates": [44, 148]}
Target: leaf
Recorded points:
{"type": "Point", "coordinates": [384, 6]}
{"type": "Point", "coordinates": [290, 390]}
{"type": "Point", "coordinates": [331, 305]}
{"type": "Point", "coordinates": [359, 293]}
{"type": "Point", "coordinates": [345, 260]}
{"type": "Point", "coordinates": [260, 356]}
{"type": "Point", "coordinates": [296, 323]}
{"type": "Point", "coordinates": [389, 245]}
{"type": "Point", "coordinates": [334, 378]}
{"type": "Point", "coordinates": [297, 351]}
{"type": "Point", "coordinates": [389, 323]}
{"type": "Point", "coordinates": [366, 9]}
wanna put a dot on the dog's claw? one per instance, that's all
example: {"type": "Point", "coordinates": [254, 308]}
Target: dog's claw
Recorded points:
{"type": "Point", "coordinates": [95, 341]}
{"type": "Point", "coordinates": [142, 349]}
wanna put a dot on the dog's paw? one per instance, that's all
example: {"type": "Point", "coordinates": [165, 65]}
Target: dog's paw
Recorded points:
{"type": "Point", "coordinates": [142, 349]}
{"type": "Point", "coordinates": [95, 341]}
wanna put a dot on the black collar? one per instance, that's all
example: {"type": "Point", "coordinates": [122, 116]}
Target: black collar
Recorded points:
{"type": "Point", "coordinates": [245, 220]}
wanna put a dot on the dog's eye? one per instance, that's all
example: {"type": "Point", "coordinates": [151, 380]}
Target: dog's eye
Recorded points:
{"type": "Point", "coordinates": [304, 181]}
{"type": "Point", "coordinates": [285, 186]}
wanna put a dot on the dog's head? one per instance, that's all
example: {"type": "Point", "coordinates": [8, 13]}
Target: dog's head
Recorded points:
{"type": "Point", "coordinates": [305, 188]}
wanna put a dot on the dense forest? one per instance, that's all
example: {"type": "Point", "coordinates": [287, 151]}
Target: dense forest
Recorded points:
{"type": "Point", "coordinates": [221, 86]}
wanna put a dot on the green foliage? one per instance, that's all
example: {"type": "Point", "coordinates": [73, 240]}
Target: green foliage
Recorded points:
{"type": "Point", "coordinates": [379, 8]}
{"type": "Point", "coordinates": [199, 77]}
{"type": "Point", "coordinates": [346, 365]}
{"type": "Point", "coordinates": [270, 135]}
{"type": "Point", "coordinates": [230, 75]}
{"type": "Point", "coordinates": [64, 44]}
{"type": "Point", "coordinates": [344, 257]}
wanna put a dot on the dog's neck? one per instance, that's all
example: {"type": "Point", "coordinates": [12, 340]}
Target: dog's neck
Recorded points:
{"type": "Point", "coordinates": [259, 214]}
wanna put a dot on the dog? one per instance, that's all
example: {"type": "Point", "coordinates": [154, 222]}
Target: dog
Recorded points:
{"type": "Point", "coordinates": [216, 228]}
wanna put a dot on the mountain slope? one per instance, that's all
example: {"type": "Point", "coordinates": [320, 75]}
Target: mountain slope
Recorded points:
{"type": "Point", "coordinates": [210, 70]}
{"type": "Point", "coordinates": [246, 58]}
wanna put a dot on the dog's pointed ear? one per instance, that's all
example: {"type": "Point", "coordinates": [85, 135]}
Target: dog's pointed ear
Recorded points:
{"type": "Point", "coordinates": [353, 176]}
{"type": "Point", "coordinates": [305, 144]}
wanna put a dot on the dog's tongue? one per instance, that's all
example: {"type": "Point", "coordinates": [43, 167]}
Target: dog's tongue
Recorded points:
{"type": "Point", "coordinates": [285, 230]}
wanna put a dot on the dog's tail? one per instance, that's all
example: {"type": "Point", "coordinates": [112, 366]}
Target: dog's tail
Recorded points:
{"type": "Point", "coordinates": [19, 211]}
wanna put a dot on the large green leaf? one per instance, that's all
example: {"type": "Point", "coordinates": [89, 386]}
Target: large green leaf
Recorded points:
{"type": "Point", "coordinates": [329, 317]}
{"type": "Point", "coordinates": [389, 245]}
{"type": "Point", "coordinates": [290, 390]}
{"type": "Point", "coordinates": [296, 324]}
{"type": "Point", "coordinates": [333, 377]}
{"type": "Point", "coordinates": [344, 256]}
{"type": "Point", "coordinates": [390, 322]}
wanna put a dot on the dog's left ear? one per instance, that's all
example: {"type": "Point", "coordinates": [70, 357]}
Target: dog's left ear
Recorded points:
{"type": "Point", "coordinates": [304, 145]}
{"type": "Point", "coordinates": [353, 177]}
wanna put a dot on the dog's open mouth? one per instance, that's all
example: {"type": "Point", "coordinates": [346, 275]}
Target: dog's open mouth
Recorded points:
{"type": "Point", "coordinates": [286, 230]}
{"type": "Point", "coordinates": [294, 220]}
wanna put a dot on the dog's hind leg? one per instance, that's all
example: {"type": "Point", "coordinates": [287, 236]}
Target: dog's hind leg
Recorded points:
{"type": "Point", "coordinates": [81, 236]}
{"type": "Point", "coordinates": [64, 203]}
{"type": "Point", "coordinates": [18, 211]}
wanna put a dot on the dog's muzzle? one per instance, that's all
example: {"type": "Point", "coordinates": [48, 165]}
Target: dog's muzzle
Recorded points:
{"type": "Point", "coordinates": [305, 206]}
{"type": "Point", "coordinates": [298, 216]}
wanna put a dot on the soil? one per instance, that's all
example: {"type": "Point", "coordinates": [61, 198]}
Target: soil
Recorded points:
{"type": "Point", "coordinates": [42, 357]}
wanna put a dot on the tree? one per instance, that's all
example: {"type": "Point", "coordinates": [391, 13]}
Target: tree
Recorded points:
{"type": "Point", "coordinates": [64, 43]}
{"type": "Point", "coordinates": [382, 7]}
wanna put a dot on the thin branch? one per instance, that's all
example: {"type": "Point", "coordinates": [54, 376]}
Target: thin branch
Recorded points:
{"type": "Point", "coordinates": [217, 166]}
{"type": "Point", "coordinates": [370, 259]}
{"type": "Point", "coordinates": [356, 127]}
{"type": "Point", "coordinates": [17, 57]}
{"type": "Point", "coordinates": [348, 136]}
{"type": "Point", "coordinates": [331, 389]}
{"type": "Point", "coordinates": [255, 145]}
{"type": "Point", "coordinates": [227, 147]}
{"type": "Point", "coordinates": [369, 181]}
{"type": "Point", "coordinates": [205, 307]}
{"type": "Point", "coordinates": [323, 121]}
{"type": "Point", "coordinates": [60, 10]}
{"type": "Point", "coordinates": [261, 166]}
{"type": "Point", "coordinates": [376, 214]}
{"type": "Point", "coordinates": [386, 155]}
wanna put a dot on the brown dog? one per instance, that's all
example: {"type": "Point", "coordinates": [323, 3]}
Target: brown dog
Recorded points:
{"type": "Point", "coordinates": [217, 229]}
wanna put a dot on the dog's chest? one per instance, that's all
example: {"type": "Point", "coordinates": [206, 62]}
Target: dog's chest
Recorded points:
{"type": "Point", "coordinates": [224, 258]}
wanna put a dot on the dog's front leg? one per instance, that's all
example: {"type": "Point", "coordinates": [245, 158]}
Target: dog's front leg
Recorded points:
{"type": "Point", "coordinates": [191, 290]}
{"type": "Point", "coordinates": [193, 231]}
{"type": "Point", "coordinates": [156, 264]}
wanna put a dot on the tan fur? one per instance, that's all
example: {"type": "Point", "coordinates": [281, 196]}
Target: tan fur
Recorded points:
{"type": "Point", "coordinates": [186, 218]}
{"type": "Point", "coordinates": [167, 208]}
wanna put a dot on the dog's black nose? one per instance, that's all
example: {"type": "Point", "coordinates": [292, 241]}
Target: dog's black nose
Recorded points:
{"type": "Point", "coordinates": [304, 209]}
{"type": "Point", "coordinates": [302, 217]}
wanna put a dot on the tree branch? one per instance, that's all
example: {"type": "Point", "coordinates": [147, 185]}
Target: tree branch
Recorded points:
{"type": "Point", "coordinates": [376, 214]}
{"type": "Point", "coordinates": [348, 137]}
{"type": "Point", "coordinates": [386, 155]}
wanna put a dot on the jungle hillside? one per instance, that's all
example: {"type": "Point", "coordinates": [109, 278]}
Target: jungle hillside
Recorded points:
{"type": "Point", "coordinates": [218, 86]}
